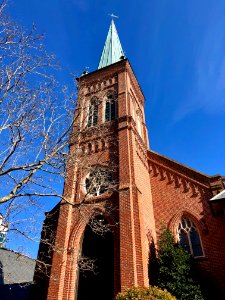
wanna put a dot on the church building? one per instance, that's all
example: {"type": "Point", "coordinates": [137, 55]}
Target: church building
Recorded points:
{"type": "Point", "coordinates": [118, 193]}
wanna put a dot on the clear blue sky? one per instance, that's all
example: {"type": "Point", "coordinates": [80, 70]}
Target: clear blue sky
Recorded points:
{"type": "Point", "coordinates": [177, 50]}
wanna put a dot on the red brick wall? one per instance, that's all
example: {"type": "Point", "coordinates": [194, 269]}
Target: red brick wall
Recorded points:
{"type": "Point", "coordinates": [178, 190]}
{"type": "Point", "coordinates": [152, 190]}
{"type": "Point", "coordinates": [119, 144]}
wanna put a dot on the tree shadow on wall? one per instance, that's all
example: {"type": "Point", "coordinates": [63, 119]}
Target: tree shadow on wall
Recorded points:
{"type": "Point", "coordinates": [153, 267]}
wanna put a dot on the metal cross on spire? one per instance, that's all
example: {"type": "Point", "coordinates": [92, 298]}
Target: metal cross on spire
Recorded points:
{"type": "Point", "coordinates": [113, 16]}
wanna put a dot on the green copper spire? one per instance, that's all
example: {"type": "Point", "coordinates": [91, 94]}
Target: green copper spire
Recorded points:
{"type": "Point", "coordinates": [112, 50]}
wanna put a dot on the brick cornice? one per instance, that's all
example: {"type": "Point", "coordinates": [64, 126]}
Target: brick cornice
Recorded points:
{"type": "Point", "coordinates": [179, 180]}
{"type": "Point", "coordinates": [183, 169]}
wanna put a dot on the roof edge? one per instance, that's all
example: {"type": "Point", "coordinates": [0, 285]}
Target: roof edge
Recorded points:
{"type": "Point", "coordinates": [185, 166]}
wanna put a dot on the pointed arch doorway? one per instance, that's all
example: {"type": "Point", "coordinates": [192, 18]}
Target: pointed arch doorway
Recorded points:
{"type": "Point", "coordinates": [100, 283]}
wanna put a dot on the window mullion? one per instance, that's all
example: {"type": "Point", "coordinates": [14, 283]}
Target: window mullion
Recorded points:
{"type": "Point", "coordinates": [189, 241]}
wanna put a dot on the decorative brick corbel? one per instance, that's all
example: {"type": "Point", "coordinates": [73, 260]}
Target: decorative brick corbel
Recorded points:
{"type": "Point", "coordinates": [177, 181]}
{"type": "Point", "coordinates": [194, 189]}
{"type": "Point", "coordinates": [169, 177]}
{"type": "Point", "coordinates": [162, 174]}
{"type": "Point", "coordinates": [155, 170]}
{"type": "Point", "coordinates": [186, 185]}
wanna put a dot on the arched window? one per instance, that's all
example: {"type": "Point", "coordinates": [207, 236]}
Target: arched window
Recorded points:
{"type": "Point", "coordinates": [93, 112]}
{"type": "Point", "coordinates": [110, 107]}
{"type": "Point", "coordinates": [188, 237]}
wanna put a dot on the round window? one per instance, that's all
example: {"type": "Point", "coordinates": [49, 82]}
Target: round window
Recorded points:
{"type": "Point", "coordinates": [98, 181]}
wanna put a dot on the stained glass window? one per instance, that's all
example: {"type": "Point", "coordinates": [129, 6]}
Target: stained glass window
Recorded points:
{"type": "Point", "coordinates": [189, 238]}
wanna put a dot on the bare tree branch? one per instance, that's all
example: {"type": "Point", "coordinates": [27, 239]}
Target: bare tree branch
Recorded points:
{"type": "Point", "coordinates": [38, 126]}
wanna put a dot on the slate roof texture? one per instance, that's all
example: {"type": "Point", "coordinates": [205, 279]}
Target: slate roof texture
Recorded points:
{"type": "Point", "coordinates": [15, 267]}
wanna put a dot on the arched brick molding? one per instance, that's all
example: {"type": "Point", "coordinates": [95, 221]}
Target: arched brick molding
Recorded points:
{"type": "Point", "coordinates": [72, 257]}
{"type": "Point", "coordinates": [203, 229]}
{"type": "Point", "coordinates": [74, 246]}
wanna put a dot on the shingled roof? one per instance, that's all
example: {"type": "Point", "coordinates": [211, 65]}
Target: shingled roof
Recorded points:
{"type": "Point", "coordinates": [15, 267]}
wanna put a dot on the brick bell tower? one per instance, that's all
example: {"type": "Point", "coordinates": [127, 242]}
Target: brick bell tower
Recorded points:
{"type": "Point", "coordinates": [107, 183]}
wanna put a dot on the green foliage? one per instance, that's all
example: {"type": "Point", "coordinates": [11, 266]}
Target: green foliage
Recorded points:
{"type": "Point", "coordinates": [151, 293]}
{"type": "Point", "coordinates": [174, 269]}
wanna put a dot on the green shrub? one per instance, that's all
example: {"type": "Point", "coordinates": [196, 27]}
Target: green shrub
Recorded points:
{"type": "Point", "coordinates": [174, 264]}
{"type": "Point", "coordinates": [151, 293]}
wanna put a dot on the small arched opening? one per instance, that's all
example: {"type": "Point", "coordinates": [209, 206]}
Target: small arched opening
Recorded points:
{"type": "Point", "coordinates": [110, 106]}
{"type": "Point", "coordinates": [97, 246]}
